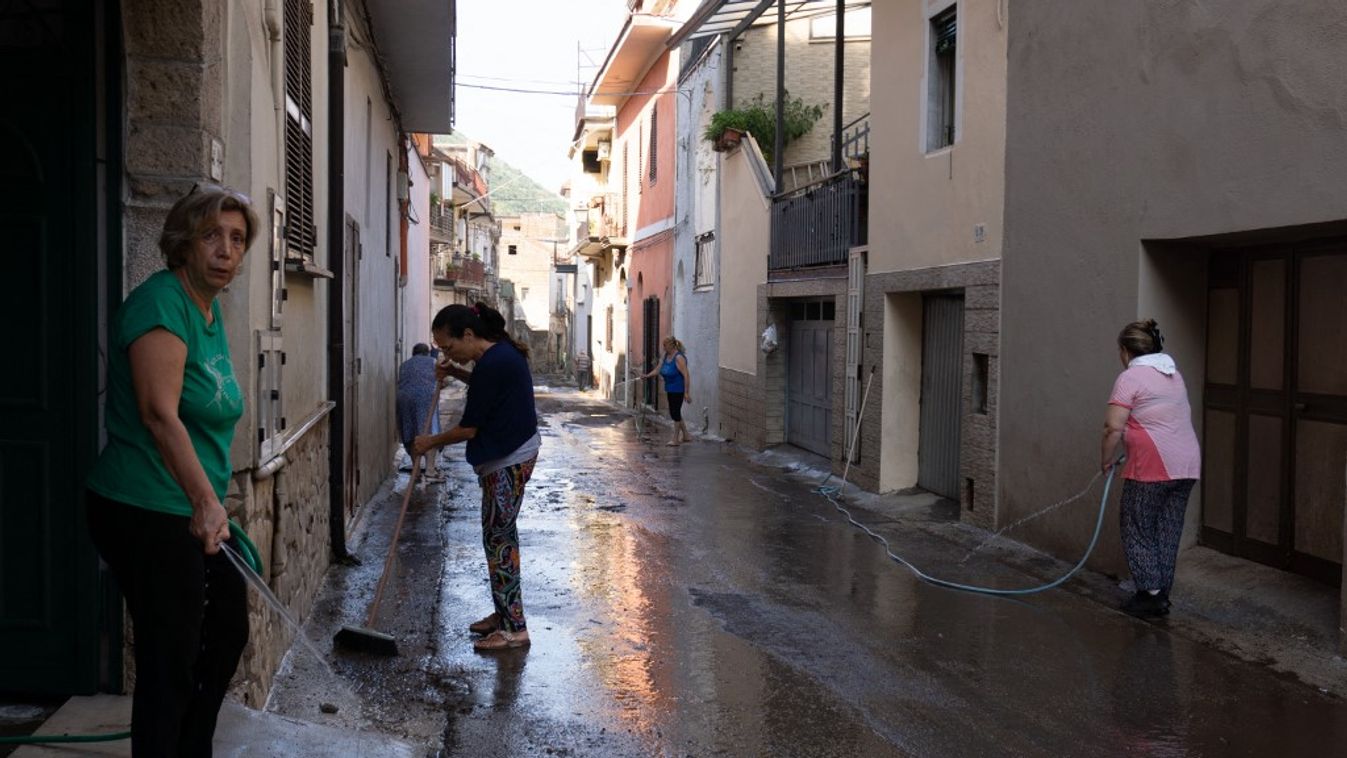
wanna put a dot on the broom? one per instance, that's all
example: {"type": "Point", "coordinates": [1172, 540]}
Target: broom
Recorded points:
{"type": "Point", "coordinates": [366, 638]}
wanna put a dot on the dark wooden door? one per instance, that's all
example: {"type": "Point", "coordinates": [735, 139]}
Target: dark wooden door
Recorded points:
{"type": "Point", "coordinates": [654, 353]}
{"type": "Point", "coordinates": [1275, 406]}
{"type": "Point", "coordinates": [49, 309]}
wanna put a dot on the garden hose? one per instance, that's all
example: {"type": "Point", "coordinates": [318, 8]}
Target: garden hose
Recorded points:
{"type": "Point", "coordinates": [246, 547]}
{"type": "Point", "coordinates": [248, 550]}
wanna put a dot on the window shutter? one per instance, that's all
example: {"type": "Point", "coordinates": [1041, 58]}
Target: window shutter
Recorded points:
{"type": "Point", "coordinates": [654, 141]}
{"type": "Point", "coordinates": [945, 31]}
{"type": "Point", "coordinates": [300, 233]}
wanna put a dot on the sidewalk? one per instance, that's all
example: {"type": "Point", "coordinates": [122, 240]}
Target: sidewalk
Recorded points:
{"type": "Point", "coordinates": [241, 732]}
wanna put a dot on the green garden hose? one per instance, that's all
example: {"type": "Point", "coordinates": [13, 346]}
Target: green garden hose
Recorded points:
{"type": "Point", "coordinates": [246, 548]}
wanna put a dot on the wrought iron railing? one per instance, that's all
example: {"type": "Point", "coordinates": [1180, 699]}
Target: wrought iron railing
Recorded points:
{"type": "Point", "coordinates": [442, 220]}
{"type": "Point", "coordinates": [817, 225]}
{"type": "Point", "coordinates": [856, 137]}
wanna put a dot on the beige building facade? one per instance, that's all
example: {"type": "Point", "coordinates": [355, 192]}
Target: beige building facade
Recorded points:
{"type": "Point", "coordinates": [1188, 167]}
{"type": "Point", "coordinates": [931, 285]}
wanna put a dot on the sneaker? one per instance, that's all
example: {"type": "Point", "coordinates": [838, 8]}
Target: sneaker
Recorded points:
{"type": "Point", "coordinates": [1145, 605]}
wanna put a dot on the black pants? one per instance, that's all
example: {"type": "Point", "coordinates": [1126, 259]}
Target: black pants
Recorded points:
{"type": "Point", "coordinates": [190, 618]}
{"type": "Point", "coordinates": [675, 405]}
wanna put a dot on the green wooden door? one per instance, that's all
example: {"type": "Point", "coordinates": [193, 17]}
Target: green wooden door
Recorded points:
{"type": "Point", "coordinates": [49, 316]}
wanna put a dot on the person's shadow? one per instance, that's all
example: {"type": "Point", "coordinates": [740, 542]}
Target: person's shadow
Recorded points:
{"type": "Point", "coordinates": [509, 673]}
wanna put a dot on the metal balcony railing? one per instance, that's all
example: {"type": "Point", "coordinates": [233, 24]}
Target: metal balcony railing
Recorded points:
{"type": "Point", "coordinates": [817, 225]}
{"type": "Point", "coordinates": [856, 137]}
{"type": "Point", "coordinates": [442, 220]}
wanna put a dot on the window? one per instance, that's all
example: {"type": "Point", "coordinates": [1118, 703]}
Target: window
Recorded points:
{"type": "Point", "coordinates": [857, 25]}
{"type": "Point", "coordinates": [640, 156]}
{"type": "Point", "coordinates": [590, 160]}
{"type": "Point", "coordinates": [301, 235]}
{"type": "Point", "coordinates": [523, 293]}
{"type": "Point", "coordinates": [704, 275]}
{"type": "Point", "coordinates": [608, 331]}
{"type": "Point", "coordinates": [513, 250]}
{"type": "Point", "coordinates": [981, 374]}
{"type": "Point", "coordinates": [654, 141]}
{"type": "Point", "coordinates": [622, 212]}
{"type": "Point", "coordinates": [941, 96]}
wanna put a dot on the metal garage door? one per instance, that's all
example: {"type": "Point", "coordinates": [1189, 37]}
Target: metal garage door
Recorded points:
{"type": "Point", "coordinates": [941, 394]}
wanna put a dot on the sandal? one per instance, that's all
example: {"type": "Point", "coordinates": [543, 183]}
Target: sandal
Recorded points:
{"type": "Point", "coordinates": [485, 626]}
{"type": "Point", "coordinates": [503, 640]}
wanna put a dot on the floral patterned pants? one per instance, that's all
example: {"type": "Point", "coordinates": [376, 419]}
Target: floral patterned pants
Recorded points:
{"type": "Point", "coordinates": [1152, 523]}
{"type": "Point", "coordinates": [502, 495]}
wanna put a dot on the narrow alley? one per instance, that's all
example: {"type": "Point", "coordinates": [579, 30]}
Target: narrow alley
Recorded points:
{"type": "Point", "coordinates": [695, 601]}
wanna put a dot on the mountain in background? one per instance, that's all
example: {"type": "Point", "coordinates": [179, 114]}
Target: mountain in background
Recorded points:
{"type": "Point", "coordinates": [512, 191]}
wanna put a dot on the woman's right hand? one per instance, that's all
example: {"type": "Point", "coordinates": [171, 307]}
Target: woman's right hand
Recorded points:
{"type": "Point", "coordinates": [210, 524]}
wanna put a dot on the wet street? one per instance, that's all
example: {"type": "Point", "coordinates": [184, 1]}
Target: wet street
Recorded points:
{"type": "Point", "coordinates": [693, 601]}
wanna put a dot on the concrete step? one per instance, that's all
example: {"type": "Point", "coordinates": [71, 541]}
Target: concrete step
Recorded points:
{"type": "Point", "coordinates": [241, 731]}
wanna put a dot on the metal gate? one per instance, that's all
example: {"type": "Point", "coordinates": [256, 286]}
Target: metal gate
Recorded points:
{"type": "Point", "coordinates": [809, 396]}
{"type": "Point", "coordinates": [941, 394]}
{"type": "Point", "coordinates": [653, 351]}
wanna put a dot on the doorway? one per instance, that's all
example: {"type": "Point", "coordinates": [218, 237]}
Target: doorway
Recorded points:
{"type": "Point", "coordinates": [809, 378]}
{"type": "Point", "coordinates": [938, 453]}
{"type": "Point", "coordinates": [58, 154]}
{"type": "Point", "coordinates": [1275, 406]}
{"type": "Point", "coordinates": [651, 345]}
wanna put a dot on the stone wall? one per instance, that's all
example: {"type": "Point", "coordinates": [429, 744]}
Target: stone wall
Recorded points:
{"type": "Point", "coordinates": [287, 516]}
{"type": "Point", "coordinates": [980, 283]}
{"type": "Point", "coordinates": [741, 408]}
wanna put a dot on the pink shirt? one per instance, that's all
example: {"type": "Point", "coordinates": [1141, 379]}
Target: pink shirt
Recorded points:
{"type": "Point", "coordinates": [1161, 443]}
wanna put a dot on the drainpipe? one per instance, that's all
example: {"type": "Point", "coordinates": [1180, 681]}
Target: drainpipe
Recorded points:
{"type": "Point", "coordinates": [336, 261]}
{"type": "Point", "coordinates": [839, 61]}
{"type": "Point", "coordinates": [779, 147]}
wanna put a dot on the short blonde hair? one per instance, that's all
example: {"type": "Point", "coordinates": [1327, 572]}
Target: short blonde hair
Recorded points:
{"type": "Point", "coordinates": [194, 213]}
{"type": "Point", "coordinates": [672, 340]}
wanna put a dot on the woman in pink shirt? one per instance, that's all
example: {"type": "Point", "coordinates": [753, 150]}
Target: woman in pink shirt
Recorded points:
{"type": "Point", "coordinates": [1149, 413]}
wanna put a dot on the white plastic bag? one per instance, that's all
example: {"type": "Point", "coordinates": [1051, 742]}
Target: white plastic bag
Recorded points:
{"type": "Point", "coordinates": [768, 342]}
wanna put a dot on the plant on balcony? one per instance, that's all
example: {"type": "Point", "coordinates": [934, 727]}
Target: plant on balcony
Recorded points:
{"type": "Point", "coordinates": [759, 119]}
{"type": "Point", "coordinates": [434, 198]}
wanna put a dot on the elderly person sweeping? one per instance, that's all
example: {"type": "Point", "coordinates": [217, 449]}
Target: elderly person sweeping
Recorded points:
{"type": "Point", "coordinates": [417, 389]}
{"type": "Point", "coordinates": [1148, 411]}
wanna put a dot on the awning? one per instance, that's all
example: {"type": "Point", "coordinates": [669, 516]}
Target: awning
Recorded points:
{"type": "Point", "coordinates": [416, 47]}
{"type": "Point", "coordinates": [714, 17]}
{"type": "Point", "coordinates": [640, 44]}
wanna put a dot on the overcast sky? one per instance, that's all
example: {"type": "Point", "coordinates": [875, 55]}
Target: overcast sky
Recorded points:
{"type": "Point", "coordinates": [528, 44]}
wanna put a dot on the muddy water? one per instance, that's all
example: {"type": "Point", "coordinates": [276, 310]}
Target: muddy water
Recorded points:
{"type": "Point", "coordinates": [687, 602]}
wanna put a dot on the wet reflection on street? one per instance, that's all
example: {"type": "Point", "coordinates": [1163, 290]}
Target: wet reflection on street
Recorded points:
{"type": "Point", "coordinates": [686, 601]}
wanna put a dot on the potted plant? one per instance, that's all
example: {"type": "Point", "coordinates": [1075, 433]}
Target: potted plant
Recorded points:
{"type": "Point", "coordinates": [758, 118]}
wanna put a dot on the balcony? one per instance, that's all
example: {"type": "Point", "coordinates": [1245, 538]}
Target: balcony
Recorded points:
{"type": "Point", "coordinates": [818, 224]}
{"type": "Point", "coordinates": [471, 274]}
{"type": "Point", "coordinates": [442, 222]}
{"type": "Point", "coordinates": [602, 226]}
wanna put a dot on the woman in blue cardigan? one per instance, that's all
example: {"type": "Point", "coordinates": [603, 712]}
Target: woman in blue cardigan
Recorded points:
{"type": "Point", "coordinates": [500, 425]}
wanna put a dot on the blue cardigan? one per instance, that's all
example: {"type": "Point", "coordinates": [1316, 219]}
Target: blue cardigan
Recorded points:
{"type": "Point", "coordinates": [500, 404]}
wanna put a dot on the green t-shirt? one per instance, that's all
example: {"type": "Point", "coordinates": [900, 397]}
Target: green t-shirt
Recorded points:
{"type": "Point", "coordinates": [130, 469]}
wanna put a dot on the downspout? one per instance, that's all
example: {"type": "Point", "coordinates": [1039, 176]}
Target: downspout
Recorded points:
{"type": "Point", "coordinates": [336, 294]}
{"type": "Point", "coordinates": [779, 146]}
{"type": "Point", "coordinates": [839, 62]}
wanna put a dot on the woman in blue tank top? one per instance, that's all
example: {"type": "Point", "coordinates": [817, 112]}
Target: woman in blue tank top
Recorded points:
{"type": "Point", "coordinates": [673, 368]}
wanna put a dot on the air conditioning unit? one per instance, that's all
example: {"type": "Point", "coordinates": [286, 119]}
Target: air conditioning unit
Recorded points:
{"type": "Point", "coordinates": [605, 150]}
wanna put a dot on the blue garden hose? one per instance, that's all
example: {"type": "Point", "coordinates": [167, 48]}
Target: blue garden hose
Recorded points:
{"type": "Point", "coordinates": [830, 492]}
{"type": "Point", "coordinates": [248, 550]}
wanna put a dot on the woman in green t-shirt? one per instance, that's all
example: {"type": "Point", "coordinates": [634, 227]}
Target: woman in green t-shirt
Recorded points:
{"type": "Point", "coordinates": [155, 495]}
